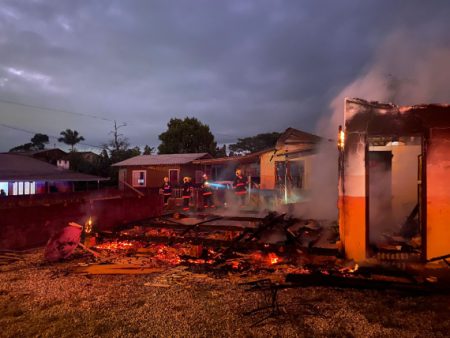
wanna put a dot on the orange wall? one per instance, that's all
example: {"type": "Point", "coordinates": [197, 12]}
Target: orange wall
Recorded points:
{"type": "Point", "coordinates": [267, 171]}
{"type": "Point", "coordinates": [352, 221]}
{"type": "Point", "coordinates": [438, 194]}
{"type": "Point", "coordinates": [352, 202]}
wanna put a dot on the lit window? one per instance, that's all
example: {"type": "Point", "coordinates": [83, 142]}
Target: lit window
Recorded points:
{"type": "Point", "coordinates": [4, 187]}
{"type": "Point", "coordinates": [139, 178]}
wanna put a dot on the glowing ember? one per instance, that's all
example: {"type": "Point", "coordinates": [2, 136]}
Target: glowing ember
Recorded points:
{"type": "Point", "coordinates": [273, 258]}
{"type": "Point", "coordinates": [116, 246]}
{"type": "Point", "coordinates": [167, 255]}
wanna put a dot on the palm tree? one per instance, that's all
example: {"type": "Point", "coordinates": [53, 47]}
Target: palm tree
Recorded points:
{"type": "Point", "coordinates": [70, 137]}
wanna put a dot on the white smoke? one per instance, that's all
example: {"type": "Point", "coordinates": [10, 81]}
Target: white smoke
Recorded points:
{"type": "Point", "coordinates": [406, 71]}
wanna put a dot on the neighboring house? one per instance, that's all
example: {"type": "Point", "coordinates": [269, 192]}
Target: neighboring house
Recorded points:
{"type": "Point", "coordinates": [89, 156]}
{"type": "Point", "coordinates": [52, 156]}
{"type": "Point", "coordinates": [75, 156]}
{"type": "Point", "coordinates": [290, 161]}
{"type": "Point", "coordinates": [223, 168]}
{"type": "Point", "coordinates": [24, 175]}
{"type": "Point", "coordinates": [148, 171]}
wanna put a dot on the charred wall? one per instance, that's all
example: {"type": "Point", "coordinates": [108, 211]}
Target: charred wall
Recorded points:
{"type": "Point", "coordinates": [367, 119]}
{"type": "Point", "coordinates": [438, 194]}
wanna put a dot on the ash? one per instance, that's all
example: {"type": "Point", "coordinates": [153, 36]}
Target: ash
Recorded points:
{"type": "Point", "coordinates": [53, 300]}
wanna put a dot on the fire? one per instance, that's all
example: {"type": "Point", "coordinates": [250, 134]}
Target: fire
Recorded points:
{"type": "Point", "coordinates": [349, 270]}
{"type": "Point", "coordinates": [167, 254]}
{"type": "Point", "coordinates": [88, 226]}
{"type": "Point", "coordinates": [115, 246]}
{"type": "Point", "coordinates": [341, 138]}
{"type": "Point", "coordinates": [235, 265]}
{"type": "Point", "coordinates": [273, 258]}
{"type": "Point", "coordinates": [355, 268]}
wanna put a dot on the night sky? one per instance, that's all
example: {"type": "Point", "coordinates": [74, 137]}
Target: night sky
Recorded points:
{"type": "Point", "coordinates": [242, 67]}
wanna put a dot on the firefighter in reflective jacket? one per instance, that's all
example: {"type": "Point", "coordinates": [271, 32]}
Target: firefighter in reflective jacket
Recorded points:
{"type": "Point", "coordinates": [166, 190]}
{"type": "Point", "coordinates": [240, 186]}
{"type": "Point", "coordinates": [207, 193]}
{"type": "Point", "coordinates": [186, 193]}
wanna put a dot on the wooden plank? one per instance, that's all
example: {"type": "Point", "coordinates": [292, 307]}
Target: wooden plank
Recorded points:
{"type": "Point", "coordinates": [118, 269]}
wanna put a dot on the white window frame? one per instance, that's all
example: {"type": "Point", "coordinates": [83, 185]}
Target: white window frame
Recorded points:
{"type": "Point", "coordinates": [137, 183]}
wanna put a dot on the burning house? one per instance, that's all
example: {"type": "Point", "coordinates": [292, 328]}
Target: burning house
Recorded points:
{"type": "Point", "coordinates": [394, 191]}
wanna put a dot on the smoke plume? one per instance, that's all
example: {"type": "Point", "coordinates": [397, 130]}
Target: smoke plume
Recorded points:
{"type": "Point", "coordinates": [406, 70]}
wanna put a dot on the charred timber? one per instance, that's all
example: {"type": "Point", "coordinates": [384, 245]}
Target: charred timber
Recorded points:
{"type": "Point", "coordinates": [217, 243]}
{"type": "Point", "coordinates": [355, 282]}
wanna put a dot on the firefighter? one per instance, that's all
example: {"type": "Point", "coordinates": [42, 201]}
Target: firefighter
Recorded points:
{"type": "Point", "coordinates": [187, 192]}
{"type": "Point", "coordinates": [166, 190]}
{"type": "Point", "coordinates": [207, 193]}
{"type": "Point", "coordinates": [240, 187]}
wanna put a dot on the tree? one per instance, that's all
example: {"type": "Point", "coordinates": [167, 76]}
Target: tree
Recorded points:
{"type": "Point", "coordinates": [187, 136]}
{"type": "Point", "coordinates": [118, 142]}
{"type": "Point", "coordinates": [255, 143]}
{"type": "Point", "coordinates": [38, 142]}
{"type": "Point", "coordinates": [70, 137]}
{"type": "Point", "coordinates": [22, 147]}
{"type": "Point", "coordinates": [221, 151]}
{"type": "Point", "coordinates": [148, 150]}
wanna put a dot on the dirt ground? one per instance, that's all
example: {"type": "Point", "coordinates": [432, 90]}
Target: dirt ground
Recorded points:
{"type": "Point", "coordinates": [39, 299]}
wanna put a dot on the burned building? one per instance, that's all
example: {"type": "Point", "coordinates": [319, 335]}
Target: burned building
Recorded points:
{"type": "Point", "coordinates": [394, 187]}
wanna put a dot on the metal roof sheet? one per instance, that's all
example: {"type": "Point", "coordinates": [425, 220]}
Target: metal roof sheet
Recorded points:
{"type": "Point", "coordinates": [15, 167]}
{"type": "Point", "coordinates": [164, 159]}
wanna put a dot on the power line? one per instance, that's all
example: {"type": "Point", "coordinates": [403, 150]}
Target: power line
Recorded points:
{"type": "Point", "coordinates": [52, 136]}
{"type": "Point", "coordinates": [55, 110]}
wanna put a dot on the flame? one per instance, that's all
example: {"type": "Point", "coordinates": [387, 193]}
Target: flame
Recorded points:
{"type": "Point", "coordinates": [88, 226]}
{"type": "Point", "coordinates": [341, 138]}
{"type": "Point", "coordinates": [349, 270]}
{"type": "Point", "coordinates": [273, 258]}
{"type": "Point", "coordinates": [355, 268]}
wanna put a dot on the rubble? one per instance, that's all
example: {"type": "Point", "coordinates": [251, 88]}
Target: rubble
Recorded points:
{"type": "Point", "coordinates": [53, 301]}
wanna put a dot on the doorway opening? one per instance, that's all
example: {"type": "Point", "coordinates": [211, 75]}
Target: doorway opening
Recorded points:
{"type": "Point", "coordinates": [394, 181]}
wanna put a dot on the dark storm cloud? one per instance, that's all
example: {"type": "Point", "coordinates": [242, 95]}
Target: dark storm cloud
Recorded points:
{"type": "Point", "coordinates": [243, 67]}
